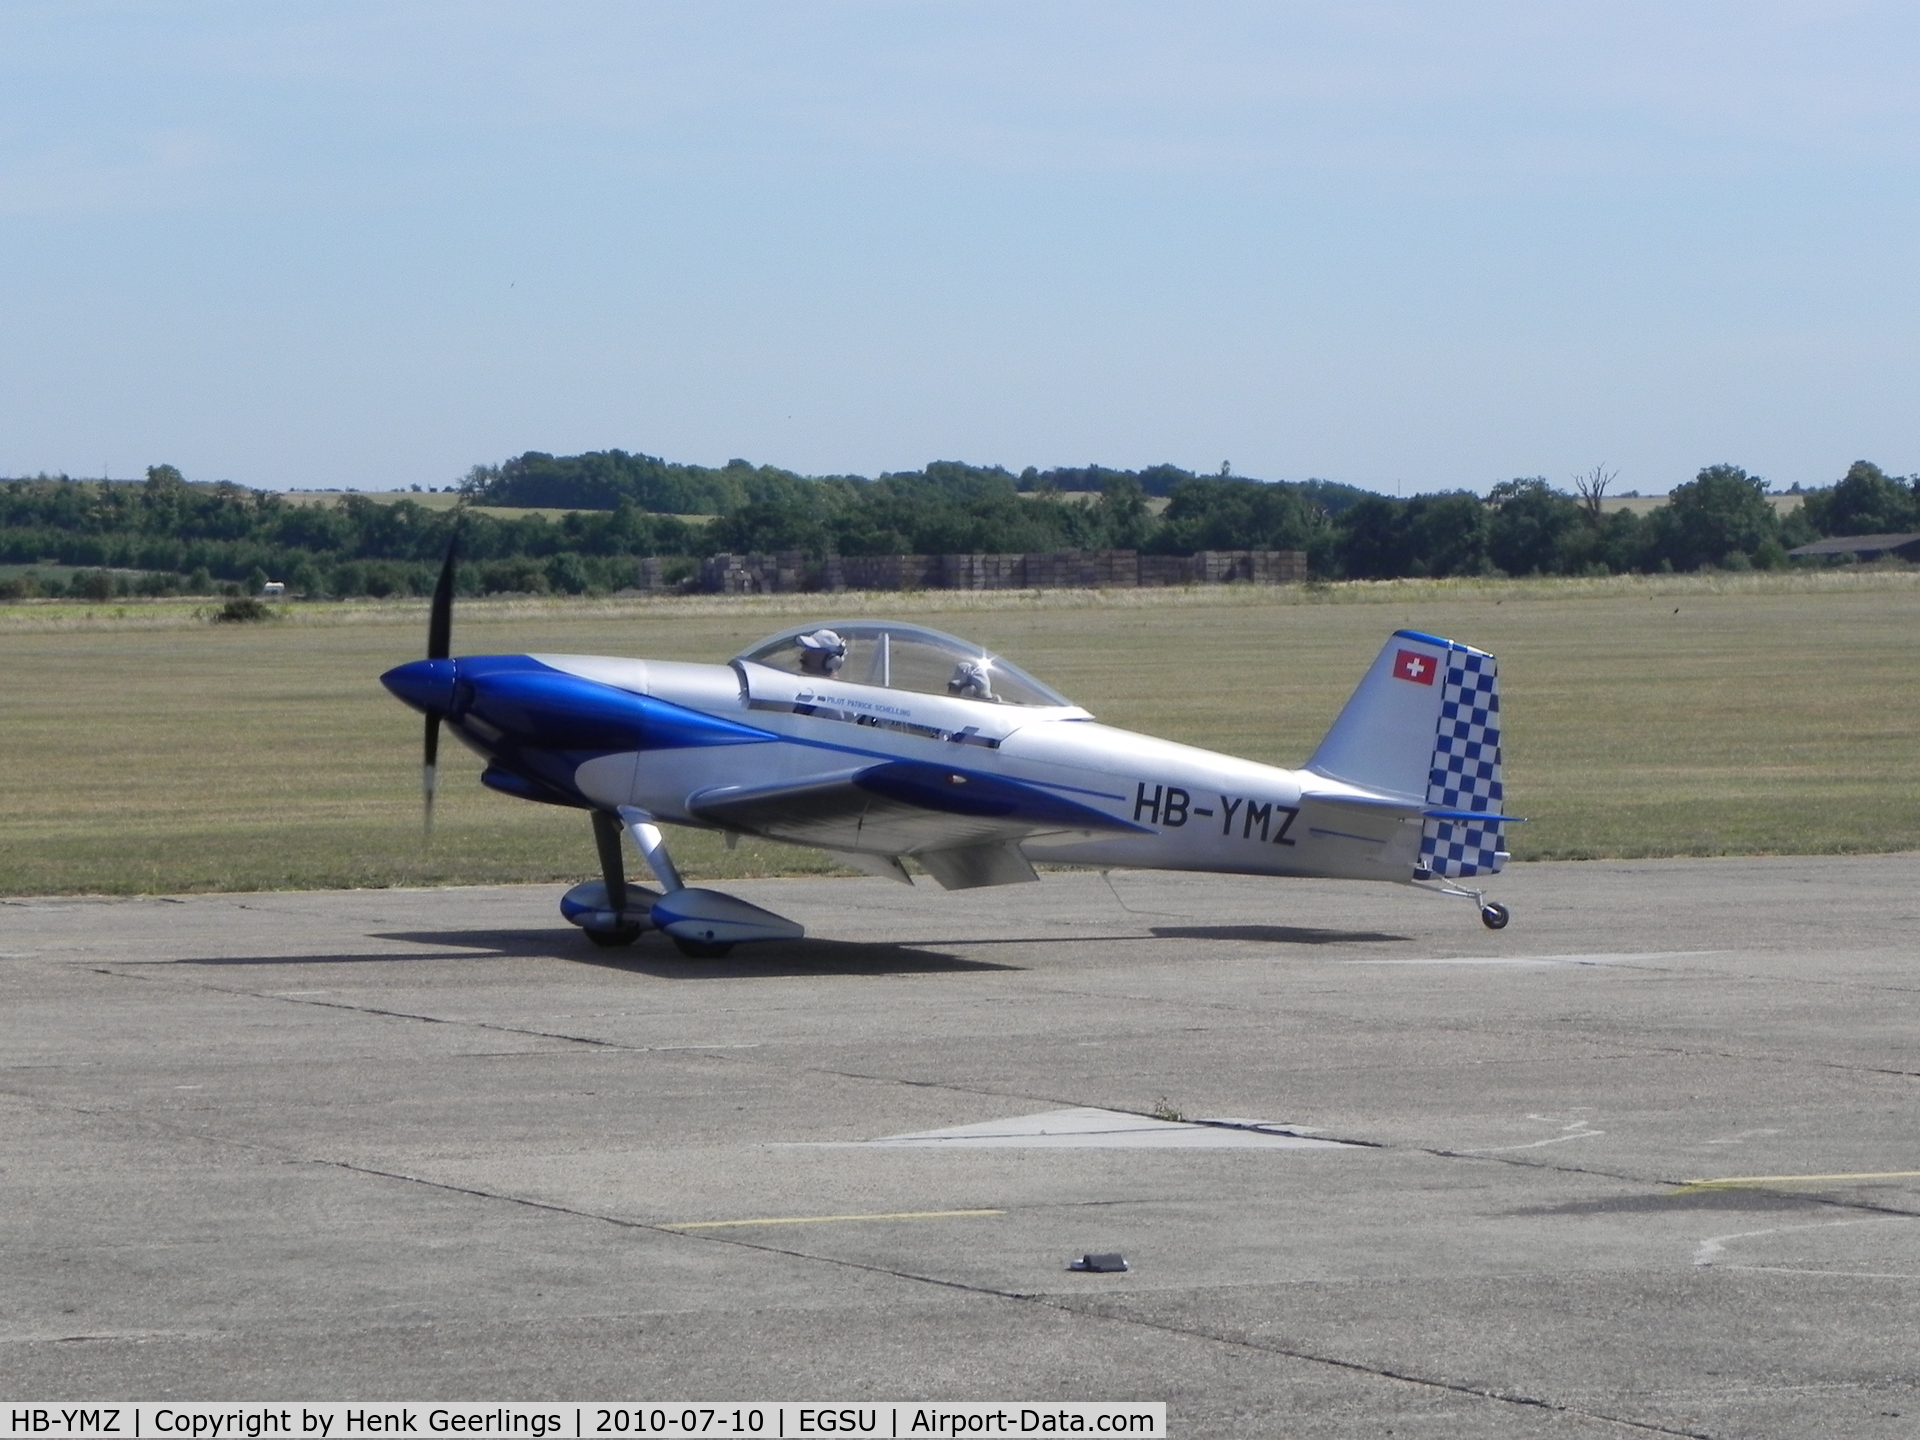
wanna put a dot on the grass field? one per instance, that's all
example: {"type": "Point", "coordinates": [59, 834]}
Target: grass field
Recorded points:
{"type": "Point", "coordinates": [440, 500]}
{"type": "Point", "coordinates": [149, 751]}
{"type": "Point", "coordinates": [1783, 503]}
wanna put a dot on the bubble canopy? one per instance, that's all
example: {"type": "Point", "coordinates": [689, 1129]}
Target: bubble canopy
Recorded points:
{"type": "Point", "coordinates": [894, 656]}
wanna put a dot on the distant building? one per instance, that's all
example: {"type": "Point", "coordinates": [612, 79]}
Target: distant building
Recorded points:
{"type": "Point", "coordinates": [273, 588]}
{"type": "Point", "coordinates": [1867, 547]}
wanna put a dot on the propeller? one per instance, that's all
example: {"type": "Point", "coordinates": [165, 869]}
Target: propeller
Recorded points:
{"type": "Point", "coordinates": [439, 646]}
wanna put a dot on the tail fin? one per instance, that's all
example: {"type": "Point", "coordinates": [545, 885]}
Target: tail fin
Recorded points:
{"type": "Point", "coordinates": [1424, 727]}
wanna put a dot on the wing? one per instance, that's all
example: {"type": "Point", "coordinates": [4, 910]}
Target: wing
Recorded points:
{"type": "Point", "coordinates": [964, 826]}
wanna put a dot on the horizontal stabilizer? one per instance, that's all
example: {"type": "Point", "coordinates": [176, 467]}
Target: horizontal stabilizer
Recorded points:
{"type": "Point", "coordinates": [1361, 800]}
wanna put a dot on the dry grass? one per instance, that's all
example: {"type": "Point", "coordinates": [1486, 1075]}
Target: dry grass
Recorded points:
{"type": "Point", "coordinates": [439, 500]}
{"type": "Point", "coordinates": [147, 750]}
{"type": "Point", "coordinates": [1643, 505]}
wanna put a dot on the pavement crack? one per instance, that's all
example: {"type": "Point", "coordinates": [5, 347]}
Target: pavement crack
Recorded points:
{"type": "Point", "coordinates": [1478, 1392]}
{"type": "Point", "coordinates": [958, 1088]}
{"type": "Point", "coordinates": [385, 1014]}
{"type": "Point", "coordinates": [1838, 1202]}
{"type": "Point", "coordinates": [1762, 1059]}
{"type": "Point", "coordinates": [477, 1193]}
{"type": "Point", "coordinates": [1020, 1297]}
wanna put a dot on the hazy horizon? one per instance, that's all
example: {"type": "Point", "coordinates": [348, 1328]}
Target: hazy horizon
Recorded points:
{"type": "Point", "coordinates": [1380, 244]}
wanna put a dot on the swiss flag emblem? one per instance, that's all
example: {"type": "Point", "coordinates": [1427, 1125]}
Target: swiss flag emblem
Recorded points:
{"type": "Point", "coordinates": [1412, 665]}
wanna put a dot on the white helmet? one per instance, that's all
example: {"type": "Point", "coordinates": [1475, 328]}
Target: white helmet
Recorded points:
{"type": "Point", "coordinates": [972, 679]}
{"type": "Point", "coordinates": [832, 649]}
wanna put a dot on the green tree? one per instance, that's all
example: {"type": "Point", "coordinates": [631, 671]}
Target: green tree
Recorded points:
{"type": "Point", "coordinates": [1718, 515]}
{"type": "Point", "coordinates": [1867, 501]}
{"type": "Point", "coordinates": [1373, 542]}
{"type": "Point", "coordinates": [1533, 527]}
{"type": "Point", "coordinates": [1221, 513]}
{"type": "Point", "coordinates": [1447, 534]}
{"type": "Point", "coordinates": [1122, 516]}
{"type": "Point", "coordinates": [567, 573]}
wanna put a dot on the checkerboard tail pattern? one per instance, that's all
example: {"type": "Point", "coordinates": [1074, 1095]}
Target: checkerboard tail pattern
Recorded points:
{"type": "Point", "coordinates": [1466, 771]}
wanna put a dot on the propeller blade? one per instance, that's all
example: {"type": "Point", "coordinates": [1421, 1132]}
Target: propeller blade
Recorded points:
{"type": "Point", "coordinates": [439, 647]}
{"type": "Point", "coordinates": [440, 617]}
{"type": "Point", "coordinates": [430, 772]}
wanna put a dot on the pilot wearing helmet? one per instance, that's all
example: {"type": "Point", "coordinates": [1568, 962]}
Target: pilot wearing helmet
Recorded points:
{"type": "Point", "coordinates": [972, 680]}
{"type": "Point", "coordinates": [822, 653]}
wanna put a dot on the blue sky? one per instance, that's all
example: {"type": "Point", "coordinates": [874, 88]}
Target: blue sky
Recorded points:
{"type": "Point", "coordinates": [1405, 245]}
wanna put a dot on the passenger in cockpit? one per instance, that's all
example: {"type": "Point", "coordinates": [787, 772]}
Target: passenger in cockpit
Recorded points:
{"type": "Point", "coordinates": [822, 653]}
{"type": "Point", "coordinates": [972, 680]}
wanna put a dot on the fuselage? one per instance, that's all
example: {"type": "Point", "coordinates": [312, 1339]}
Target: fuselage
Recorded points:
{"type": "Point", "coordinates": [605, 732]}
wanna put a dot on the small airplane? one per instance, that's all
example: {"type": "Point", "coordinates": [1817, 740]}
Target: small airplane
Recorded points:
{"type": "Point", "coordinates": [879, 741]}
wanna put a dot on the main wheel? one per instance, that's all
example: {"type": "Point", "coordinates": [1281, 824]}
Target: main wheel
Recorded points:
{"type": "Point", "coordinates": [702, 949]}
{"type": "Point", "coordinates": [1494, 916]}
{"type": "Point", "coordinates": [607, 939]}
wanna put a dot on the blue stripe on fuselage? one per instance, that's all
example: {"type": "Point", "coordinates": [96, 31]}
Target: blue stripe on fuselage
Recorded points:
{"type": "Point", "coordinates": [969, 792]}
{"type": "Point", "coordinates": [542, 706]}
{"type": "Point", "coordinates": [541, 724]}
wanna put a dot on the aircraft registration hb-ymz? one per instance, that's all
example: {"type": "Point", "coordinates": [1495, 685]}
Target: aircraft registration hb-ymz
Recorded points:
{"type": "Point", "coordinates": [878, 741]}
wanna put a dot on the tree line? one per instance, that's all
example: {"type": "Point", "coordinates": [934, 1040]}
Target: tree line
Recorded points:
{"type": "Point", "coordinates": [167, 536]}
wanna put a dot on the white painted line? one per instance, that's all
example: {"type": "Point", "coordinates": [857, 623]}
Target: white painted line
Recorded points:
{"type": "Point", "coordinates": [1534, 1144]}
{"type": "Point", "coordinates": [1707, 1252]}
{"type": "Point", "coordinates": [1837, 1274]}
{"type": "Point", "coordinates": [1576, 1129]}
{"type": "Point", "coordinates": [1747, 1182]}
{"type": "Point", "coordinates": [1742, 1137]}
{"type": "Point", "coordinates": [830, 1219]}
{"type": "Point", "coordinates": [1088, 1128]}
{"type": "Point", "coordinates": [1537, 961]}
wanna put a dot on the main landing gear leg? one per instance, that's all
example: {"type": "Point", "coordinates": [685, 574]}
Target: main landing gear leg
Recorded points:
{"type": "Point", "coordinates": [648, 840]}
{"type": "Point", "coordinates": [1493, 914]}
{"type": "Point", "coordinates": [647, 837]}
{"type": "Point", "coordinates": [613, 870]}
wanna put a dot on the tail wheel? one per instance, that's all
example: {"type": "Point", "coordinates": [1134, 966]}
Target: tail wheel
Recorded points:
{"type": "Point", "coordinates": [1494, 916]}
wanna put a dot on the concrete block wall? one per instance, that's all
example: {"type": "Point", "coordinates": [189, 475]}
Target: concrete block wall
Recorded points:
{"type": "Point", "coordinates": [754, 574]}
{"type": "Point", "coordinates": [1166, 570]}
{"type": "Point", "coordinates": [890, 572]}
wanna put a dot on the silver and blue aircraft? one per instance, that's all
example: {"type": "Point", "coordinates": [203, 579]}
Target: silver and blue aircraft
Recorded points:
{"type": "Point", "coordinates": [878, 741]}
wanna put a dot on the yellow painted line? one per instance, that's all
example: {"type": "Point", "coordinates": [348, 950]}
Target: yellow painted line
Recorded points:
{"type": "Point", "coordinates": [829, 1219]}
{"type": "Point", "coordinates": [1734, 1181]}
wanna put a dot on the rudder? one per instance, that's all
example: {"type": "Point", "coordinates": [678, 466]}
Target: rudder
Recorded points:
{"type": "Point", "coordinates": [1465, 776]}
